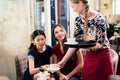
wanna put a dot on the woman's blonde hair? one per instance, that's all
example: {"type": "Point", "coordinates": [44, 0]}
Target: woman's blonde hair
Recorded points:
{"type": "Point", "coordinates": [85, 2]}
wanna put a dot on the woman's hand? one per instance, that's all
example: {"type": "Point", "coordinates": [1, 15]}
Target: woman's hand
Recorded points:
{"type": "Point", "coordinates": [96, 47]}
{"type": "Point", "coordinates": [61, 64]}
{"type": "Point", "coordinates": [64, 77]}
{"type": "Point", "coordinates": [45, 67]}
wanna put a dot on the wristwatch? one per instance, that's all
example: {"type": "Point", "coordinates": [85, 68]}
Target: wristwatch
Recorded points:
{"type": "Point", "coordinates": [41, 69]}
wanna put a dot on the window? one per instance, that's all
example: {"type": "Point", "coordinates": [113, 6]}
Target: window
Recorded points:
{"type": "Point", "coordinates": [116, 6]}
{"type": "Point", "coordinates": [40, 15]}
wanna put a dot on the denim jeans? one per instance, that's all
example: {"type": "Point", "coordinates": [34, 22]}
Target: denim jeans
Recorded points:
{"type": "Point", "coordinates": [75, 78]}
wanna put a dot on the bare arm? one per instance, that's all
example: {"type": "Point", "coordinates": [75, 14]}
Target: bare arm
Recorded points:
{"type": "Point", "coordinates": [79, 66]}
{"type": "Point", "coordinates": [69, 53]}
{"type": "Point", "coordinates": [31, 67]}
{"type": "Point", "coordinates": [55, 60]}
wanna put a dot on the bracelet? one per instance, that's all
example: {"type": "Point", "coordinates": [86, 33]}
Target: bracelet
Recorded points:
{"type": "Point", "coordinates": [40, 69]}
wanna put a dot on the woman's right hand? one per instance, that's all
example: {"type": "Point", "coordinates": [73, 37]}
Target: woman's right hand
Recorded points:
{"type": "Point", "coordinates": [61, 64]}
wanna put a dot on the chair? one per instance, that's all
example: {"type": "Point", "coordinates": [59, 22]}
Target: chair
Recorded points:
{"type": "Point", "coordinates": [115, 44]}
{"type": "Point", "coordinates": [114, 77]}
{"type": "Point", "coordinates": [114, 59]}
{"type": "Point", "coordinates": [118, 43]}
{"type": "Point", "coordinates": [21, 65]}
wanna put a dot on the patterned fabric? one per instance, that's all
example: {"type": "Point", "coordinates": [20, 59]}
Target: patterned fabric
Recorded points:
{"type": "Point", "coordinates": [96, 29]}
{"type": "Point", "coordinates": [21, 65]}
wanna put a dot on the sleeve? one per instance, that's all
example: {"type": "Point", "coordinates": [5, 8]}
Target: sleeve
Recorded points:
{"type": "Point", "coordinates": [101, 30]}
{"type": "Point", "coordinates": [49, 49]}
{"type": "Point", "coordinates": [77, 27]}
{"type": "Point", "coordinates": [30, 55]}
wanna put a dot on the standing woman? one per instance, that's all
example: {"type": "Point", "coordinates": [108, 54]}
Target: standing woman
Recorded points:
{"type": "Point", "coordinates": [71, 70]}
{"type": "Point", "coordinates": [91, 25]}
{"type": "Point", "coordinates": [38, 55]}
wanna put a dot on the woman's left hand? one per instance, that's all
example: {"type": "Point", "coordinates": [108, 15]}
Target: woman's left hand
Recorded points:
{"type": "Point", "coordinates": [96, 47]}
{"type": "Point", "coordinates": [45, 67]}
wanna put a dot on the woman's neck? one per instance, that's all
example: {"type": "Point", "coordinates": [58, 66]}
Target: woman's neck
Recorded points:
{"type": "Point", "coordinates": [42, 49]}
{"type": "Point", "coordinates": [91, 14]}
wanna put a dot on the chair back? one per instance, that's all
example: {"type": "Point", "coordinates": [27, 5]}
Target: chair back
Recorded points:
{"type": "Point", "coordinates": [21, 65]}
{"type": "Point", "coordinates": [114, 59]}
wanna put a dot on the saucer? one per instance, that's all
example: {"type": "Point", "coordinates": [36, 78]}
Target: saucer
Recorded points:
{"type": "Point", "coordinates": [53, 68]}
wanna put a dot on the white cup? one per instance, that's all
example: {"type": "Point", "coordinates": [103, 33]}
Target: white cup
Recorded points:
{"type": "Point", "coordinates": [69, 40]}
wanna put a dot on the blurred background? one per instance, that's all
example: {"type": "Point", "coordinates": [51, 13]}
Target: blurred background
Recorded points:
{"type": "Point", "coordinates": [19, 18]}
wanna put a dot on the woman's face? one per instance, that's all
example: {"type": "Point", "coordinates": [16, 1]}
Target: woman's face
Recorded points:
{"type": "Point", "coordinates": [40, 41]}
{"type": "Point", "coordinates": [59, 33]}
{"type": "Point", "coordinates": [77, 7]}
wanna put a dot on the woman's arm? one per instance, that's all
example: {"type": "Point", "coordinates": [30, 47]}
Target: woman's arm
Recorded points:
{"type": "Point", "coordinates": [79, 66]}
{"type": "Point", "coordinates": [55, 60]}
{"type": "Point", "coordinates": [32, 70]}
{"type": "Point", "coordinates": [69, 53]}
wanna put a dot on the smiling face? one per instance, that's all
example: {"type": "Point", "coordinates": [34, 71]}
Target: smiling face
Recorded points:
{"type": "Point", "coordinates": [40, 41]}
{"type": "Point", "coordinates": [59, 33]}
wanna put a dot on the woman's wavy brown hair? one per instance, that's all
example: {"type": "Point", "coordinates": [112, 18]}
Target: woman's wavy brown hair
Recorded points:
{"type": "Point", "coordinates": [58, 25]}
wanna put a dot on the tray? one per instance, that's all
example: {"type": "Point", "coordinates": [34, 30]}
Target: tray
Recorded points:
{"type": "Point", "coordinates": [80, 44]}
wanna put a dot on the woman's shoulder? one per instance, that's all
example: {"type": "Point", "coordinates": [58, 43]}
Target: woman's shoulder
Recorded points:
{"type": "Point", "coordinates": [48, 47]}
{"type": "Point", "coordinates": [56, 46]}
{"type": "Point", "coordinates": [78, 18]}
{"type": "Point", "coordinates": [30, 52]}
{"type": "Point", "coordinates": [99, 16]}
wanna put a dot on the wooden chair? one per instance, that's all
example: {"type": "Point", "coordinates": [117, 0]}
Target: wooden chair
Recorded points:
{"type": "Point", "coordinates": [114, 59]}
{"type": "Point", "coordinates": [21, 65]}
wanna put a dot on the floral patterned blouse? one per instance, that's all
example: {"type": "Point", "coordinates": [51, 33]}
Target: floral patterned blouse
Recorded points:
{"type": "Point", "coordinates": [97, 28]}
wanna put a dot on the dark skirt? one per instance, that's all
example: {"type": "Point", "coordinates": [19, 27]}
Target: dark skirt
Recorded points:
{"type": "Point", "coordinates": [27, 75]}
{"type": "Point", "coordinates": [97, 65]}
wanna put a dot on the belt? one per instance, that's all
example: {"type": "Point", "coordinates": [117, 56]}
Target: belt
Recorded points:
{"type": "Point", "coordinates": [97, 49]}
